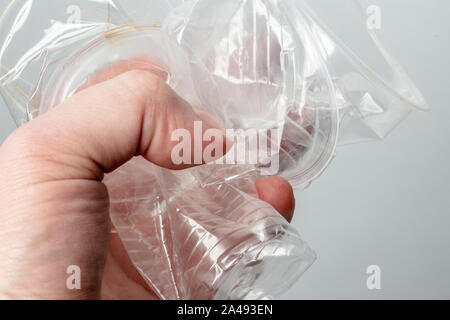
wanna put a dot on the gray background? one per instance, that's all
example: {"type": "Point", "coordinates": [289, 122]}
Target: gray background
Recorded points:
{"type": "Point", "coordinates": [385, 203]}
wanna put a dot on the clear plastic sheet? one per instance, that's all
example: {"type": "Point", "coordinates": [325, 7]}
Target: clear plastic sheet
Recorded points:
{"type": "Point", "coordinates": [254, 64]}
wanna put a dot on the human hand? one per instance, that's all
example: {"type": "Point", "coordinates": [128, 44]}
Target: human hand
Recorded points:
{"type": "Point", "coordinates": [54, 208]}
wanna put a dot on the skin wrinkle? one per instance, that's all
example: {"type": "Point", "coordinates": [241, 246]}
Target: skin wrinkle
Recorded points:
{"type": "Point", "coordinates": [29, 155]}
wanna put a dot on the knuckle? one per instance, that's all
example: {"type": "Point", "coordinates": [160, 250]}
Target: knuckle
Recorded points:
{"type": "Point", "coordinates": [143, 83]}
{"type": "Point", "coordinates": [147, 92]}
{"type": "Point", "coordinates": [142, 90]}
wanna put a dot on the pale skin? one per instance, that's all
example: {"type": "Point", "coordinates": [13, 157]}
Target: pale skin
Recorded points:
{"type": "Point", "coordinates": [54, 208]}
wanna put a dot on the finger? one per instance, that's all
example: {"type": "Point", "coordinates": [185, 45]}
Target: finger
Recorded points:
{"type": "Point", "coordinates": [279, 194]}
{"type": "Point", "coordinates": [102, 127]}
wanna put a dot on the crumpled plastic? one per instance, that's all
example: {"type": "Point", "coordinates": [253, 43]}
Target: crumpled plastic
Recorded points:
{"type": "Point", "coordinates": [258, 65]}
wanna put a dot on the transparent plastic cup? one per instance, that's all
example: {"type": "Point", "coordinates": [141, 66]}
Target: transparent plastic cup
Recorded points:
{"type": "Point", "coordinates": [211, 242]}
